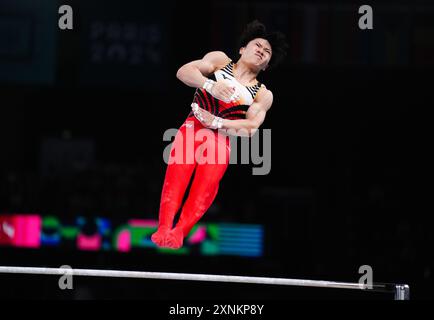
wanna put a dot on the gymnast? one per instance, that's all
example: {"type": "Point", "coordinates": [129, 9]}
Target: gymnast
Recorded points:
{"type": "Point", "coordinates": [228, 99]}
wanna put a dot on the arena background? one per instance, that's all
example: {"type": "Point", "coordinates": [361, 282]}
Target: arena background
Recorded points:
{"type": "Point", "coordinates": [84, 111]}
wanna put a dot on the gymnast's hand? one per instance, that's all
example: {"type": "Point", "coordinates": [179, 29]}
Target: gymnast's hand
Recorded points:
{"type": "Point", "coordinates": [202, 115]}
{"type": "Point", "coordinates": [222, 91]}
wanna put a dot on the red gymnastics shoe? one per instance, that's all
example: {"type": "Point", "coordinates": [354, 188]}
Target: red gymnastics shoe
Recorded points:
{"type": "Point", "coordinates": [160, 237]}
{"type": "Point", "coordinates": [175, 238]}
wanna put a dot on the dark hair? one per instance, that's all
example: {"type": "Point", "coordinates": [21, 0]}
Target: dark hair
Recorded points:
{"type": "Point", "coordinates": [277, 40]}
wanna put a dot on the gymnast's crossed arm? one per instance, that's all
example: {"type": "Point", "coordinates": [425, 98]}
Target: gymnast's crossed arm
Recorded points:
{"type": "Point", "coordinates": [255, 116]}
{"type": "Point", "coordinates": [194, 74]}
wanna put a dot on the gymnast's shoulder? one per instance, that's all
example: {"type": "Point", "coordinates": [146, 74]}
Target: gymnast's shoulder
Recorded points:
{"type": "Point", "coordinates": [217, 58]}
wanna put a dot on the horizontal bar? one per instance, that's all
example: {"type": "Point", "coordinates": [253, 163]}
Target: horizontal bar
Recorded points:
{"type": "Point", "coordinates": [196, 277]}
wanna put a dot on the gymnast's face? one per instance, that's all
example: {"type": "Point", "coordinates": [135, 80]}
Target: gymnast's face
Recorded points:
{"type": "Point", "coordinates": [257, 53]}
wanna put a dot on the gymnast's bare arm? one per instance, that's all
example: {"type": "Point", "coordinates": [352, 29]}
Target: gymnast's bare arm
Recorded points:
{"type": "Point", "coordinates": [255, 116]}
{"type": "Point", "coordinates": [194, 74]}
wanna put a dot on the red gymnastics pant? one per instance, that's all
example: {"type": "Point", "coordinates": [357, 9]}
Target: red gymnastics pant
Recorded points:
{"type": "Point", "coordinates": [195, 149]}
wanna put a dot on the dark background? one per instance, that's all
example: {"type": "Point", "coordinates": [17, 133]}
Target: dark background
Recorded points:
{"type": "Point", "coordinates": [348, 139]}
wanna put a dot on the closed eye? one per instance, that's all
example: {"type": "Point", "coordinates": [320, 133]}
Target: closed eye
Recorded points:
{"type": "Point", "coordinates": [266, 50]}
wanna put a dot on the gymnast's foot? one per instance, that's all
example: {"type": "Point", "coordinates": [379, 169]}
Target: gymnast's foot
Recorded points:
{"type": "Point", "coordinates": [175, 238]}
{"type": "Point", "coordinates": [159, 237]}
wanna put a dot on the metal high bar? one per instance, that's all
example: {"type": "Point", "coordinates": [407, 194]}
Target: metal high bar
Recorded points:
{"type": "Point", "coordinates": [402, 291]}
